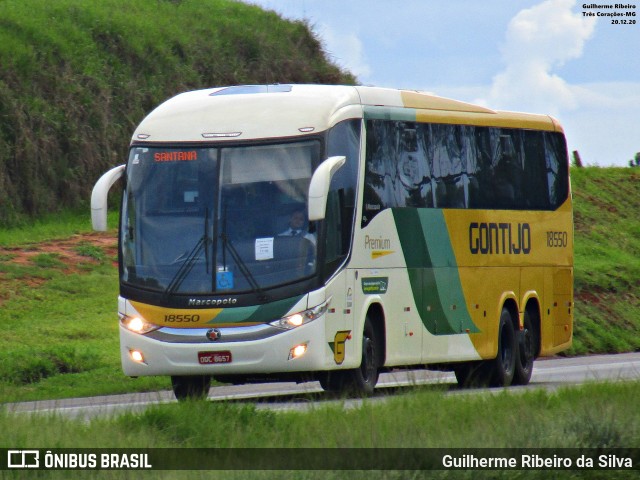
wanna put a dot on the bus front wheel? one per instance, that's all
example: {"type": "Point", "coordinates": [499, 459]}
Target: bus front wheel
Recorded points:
{"type": "Point", "coordinates": [193, 387]}
{"type": "Point", "coordinates": [360, 381]}
{"type": "Point", "coordinates": [364, 379]}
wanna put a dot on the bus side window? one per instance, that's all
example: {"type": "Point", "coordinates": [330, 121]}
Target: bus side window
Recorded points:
{"type": "Point", "coordinates": [557, 165]}
{"type": "Point", "coordinates": [536, 187]}
{"type": "Point", "coordinates": [334, 225]}
{"type": "Point", "coordinates": [344, 139]}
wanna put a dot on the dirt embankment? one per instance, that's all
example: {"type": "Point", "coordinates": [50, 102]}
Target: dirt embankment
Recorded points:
{"type": "Point", "coordinates": [24, 266]}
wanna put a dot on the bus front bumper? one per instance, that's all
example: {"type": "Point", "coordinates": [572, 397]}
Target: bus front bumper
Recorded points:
{"type": "Point", "coordinates": [257, 351]}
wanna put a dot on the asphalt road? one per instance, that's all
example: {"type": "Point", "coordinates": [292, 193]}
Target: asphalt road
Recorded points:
{"type": "Point", "coordinates": [548, 373]}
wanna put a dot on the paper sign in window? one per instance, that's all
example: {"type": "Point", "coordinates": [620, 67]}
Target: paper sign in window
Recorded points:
{"type": "Point", "coordinates": [264, 248]}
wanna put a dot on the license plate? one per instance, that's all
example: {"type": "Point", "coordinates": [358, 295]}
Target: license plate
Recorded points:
{"type": "Point", "coordinates": [210, 358]}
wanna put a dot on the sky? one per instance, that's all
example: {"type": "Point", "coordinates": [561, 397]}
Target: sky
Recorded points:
{"type": "Point", "coordinates": [539, 56]}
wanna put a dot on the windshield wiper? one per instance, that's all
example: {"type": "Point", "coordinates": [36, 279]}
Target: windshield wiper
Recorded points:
{"type": "Point", "coordinates": [226, 243]}
{"type": "Point", "coordinates": [189, 262]}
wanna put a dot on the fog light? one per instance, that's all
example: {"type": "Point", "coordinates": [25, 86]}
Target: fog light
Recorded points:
{"type": "Point", "coordinates": [136, 356]}
{"type": "Point", "coordinates": [297, 351]}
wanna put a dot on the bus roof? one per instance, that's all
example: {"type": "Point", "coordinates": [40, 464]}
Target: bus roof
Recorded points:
{"type": "Point", "coordinates": [279, 111]}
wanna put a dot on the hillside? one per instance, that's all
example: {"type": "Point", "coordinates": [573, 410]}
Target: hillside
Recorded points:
{"type": "Point", "coordinates": [607, 259]}
{"type": "Point", "coordinates": [76, 76]}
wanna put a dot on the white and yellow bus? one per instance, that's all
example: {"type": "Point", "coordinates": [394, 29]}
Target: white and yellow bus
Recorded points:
{"type": "Point", "coordinates": [334, 232]}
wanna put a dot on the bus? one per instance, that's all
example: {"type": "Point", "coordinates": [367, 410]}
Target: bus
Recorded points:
{"type": "Point", "coordinates": [330, 233]}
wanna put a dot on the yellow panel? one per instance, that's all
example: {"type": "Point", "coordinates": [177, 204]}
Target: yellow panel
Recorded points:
{"type": "Point", "coordinates": [531, 287]}
{"type": "Point", "coordinates": [432, 102]}
{"type": "Point", "coordinates": [485, 291]}
{"type": "Point", "coordinates": [169, 316]}
{"type": "Point", "coordinates": [498, 119]}
{"type": "Point", "coordinates": [562, 282]}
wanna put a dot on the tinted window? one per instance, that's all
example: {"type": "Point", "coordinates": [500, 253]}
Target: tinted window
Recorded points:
{"type": "Point", "coordinates": [458, 166]}
{"type": "Point", "coordinates": [343, 139]}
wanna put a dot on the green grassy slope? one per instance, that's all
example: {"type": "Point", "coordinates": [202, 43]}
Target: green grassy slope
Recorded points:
{"type": "Point", "coordinates": [607, 259]}
{"type": "Point", "coordinates": [58, 311]}
{"type": "Point", "coordinates": [76, 76]}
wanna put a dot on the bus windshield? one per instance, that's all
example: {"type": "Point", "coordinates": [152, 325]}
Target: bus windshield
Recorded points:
{"type": "Point", "coordinates": [218, 220]}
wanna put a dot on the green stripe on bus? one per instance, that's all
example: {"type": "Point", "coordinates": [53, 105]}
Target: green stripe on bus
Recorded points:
{"type": "Point", "coordinates": [433, 272]}
{"type": "Point", "coordinates": [389, 113]}
{"type": "Point", "coordinates": [257, 314]}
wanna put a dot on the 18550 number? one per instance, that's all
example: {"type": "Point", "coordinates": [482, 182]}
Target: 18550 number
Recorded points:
{"type": "Point", "coordinates": [181, 318]}
{"type": "Point", "coordinates": [557, 239]}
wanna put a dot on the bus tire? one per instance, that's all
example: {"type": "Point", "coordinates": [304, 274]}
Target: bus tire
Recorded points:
{"type": "Point", "coordinates": [192, 387]}
{"type": "Point", "coordinates": [503, 366]}
{"type": "Point", "coordinates": [526, 349]}
{"type": "Point", "coordinates": [363, 379]}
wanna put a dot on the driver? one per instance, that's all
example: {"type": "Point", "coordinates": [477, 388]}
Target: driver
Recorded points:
{"type": "Point", "coordinates": [298, 226]}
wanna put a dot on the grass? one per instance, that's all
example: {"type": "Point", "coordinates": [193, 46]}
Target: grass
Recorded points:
{"type": "Point", "coordinates": [60, 326]}
{"type": "Point", "coordinates": [51, 227]}
{"type": "Point", "coordinates": [590, 416]}
{"type": "Point", "coordinates": [61, 338]}
{"type": "Point", "coordinates": [85, 249]}
{"type": "Point", "coordinates": [526, 421]}
{"type": "Point", "coordinates": [607, 259]}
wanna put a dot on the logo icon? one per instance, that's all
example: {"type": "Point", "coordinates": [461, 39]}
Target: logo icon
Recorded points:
{"type": "Point", "coordinates": [213, 334]}
{"type": "Point", "coordinates": [23, 458]}
{"type": "Point", "coordinates": [338, 345]}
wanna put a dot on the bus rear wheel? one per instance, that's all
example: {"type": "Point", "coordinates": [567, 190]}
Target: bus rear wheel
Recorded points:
{"type": "Point", "coordinates": [192, 387]}
{"type": "Point", "coordinates": [498, 372]}
{"type": "Point", "coordinates": [526, 352]}
{"type": "Point", "coordinates": [503, 366]}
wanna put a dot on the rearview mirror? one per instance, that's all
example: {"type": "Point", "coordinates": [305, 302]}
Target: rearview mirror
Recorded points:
{"type": "Point", "coordinates": [319, 186]}
{"type": "Point", "coordinates": [99, 197]}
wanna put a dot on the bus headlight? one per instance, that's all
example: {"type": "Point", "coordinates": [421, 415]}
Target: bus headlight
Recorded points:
{"type": "Point", "coordinates": [301, 318]}
{"type": "Point", "coordinates": [137, 324]}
